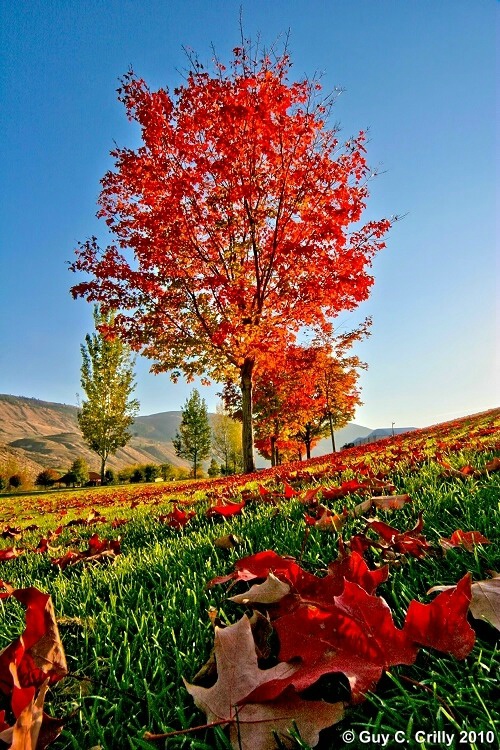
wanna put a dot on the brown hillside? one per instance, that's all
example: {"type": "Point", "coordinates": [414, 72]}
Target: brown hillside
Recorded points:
{"type": "Point", "coordinates": [42, 434]}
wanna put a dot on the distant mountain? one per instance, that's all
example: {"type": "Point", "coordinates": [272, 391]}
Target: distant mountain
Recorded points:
{"type": "Point", "coordinates": [43, 434]}
{"type": "Point", "coordinates": [380, 433]}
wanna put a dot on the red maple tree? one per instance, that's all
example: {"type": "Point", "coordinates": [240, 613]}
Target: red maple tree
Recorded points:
{"type": "Point", "coordinates": [232, 222]}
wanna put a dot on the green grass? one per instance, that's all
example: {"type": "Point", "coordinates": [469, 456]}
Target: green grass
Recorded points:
{"type": "Point", "coordinates": [136, 627]}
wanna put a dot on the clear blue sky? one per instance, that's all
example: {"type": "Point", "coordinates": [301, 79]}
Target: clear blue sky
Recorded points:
{"type": "Point", "coordinates": [420, 74]}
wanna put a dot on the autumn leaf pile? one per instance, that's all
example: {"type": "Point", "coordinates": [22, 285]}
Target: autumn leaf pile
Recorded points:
{"type": "Point", "coordinates": [324, 580]}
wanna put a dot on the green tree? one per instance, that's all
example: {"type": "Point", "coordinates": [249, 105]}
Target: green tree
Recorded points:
{"type": "Point", "coordinates": [167, 471]}
{"type": "Point", "coordinates": [107, 378]}
{"type": "Point", "coordinates": [110, 476]}
{"type": "Point", "coordinates": [80, 469]}
{"type": "Point", "coordinates": [213, 469]}
{"type": "Point", "coordinates": [151, 472]}
{"type": "Point", "coordinates": [226, 441]}
{"type": "Point", "coordinates": [137, 475]}
{"type": "Point", "coordinates": [193, 439]}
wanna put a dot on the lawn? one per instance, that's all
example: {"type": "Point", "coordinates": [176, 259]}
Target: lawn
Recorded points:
{"type": "Point", "coordinates": [134, 624]}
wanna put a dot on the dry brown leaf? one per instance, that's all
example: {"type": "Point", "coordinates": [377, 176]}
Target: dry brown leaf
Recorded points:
{"type": "Point", "coordinates": [391, 502]}
{"type": "Point", "coordinates": [361, 508]}
{"type": "Point", "coordinates": [269, 592]}
{"type": "Point", "coordinates": [228, 541]}
{"type": "Point", "coordinates": [252, 725]}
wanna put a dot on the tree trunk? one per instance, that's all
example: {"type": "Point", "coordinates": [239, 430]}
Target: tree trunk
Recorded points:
{"type": "Point", "coordinates": [330, 419]}
{"type": "Point", "coordinates": [273, 450]}
{"type": "Point", "coordinates": [308, 441]}
{"type": "Point", "coordinates": [103, 467]}
{"type": "Point", "coordinates": [246, 415]}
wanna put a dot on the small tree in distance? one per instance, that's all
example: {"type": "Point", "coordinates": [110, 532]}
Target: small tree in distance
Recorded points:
{"type": "Point", "coordinates": [108, 381]}
{"type": "Point", "coordinates": [46, 478]}
{"type": "Point", "coordinates": [80, 470]}
{"type": "Point", "coordinates": [238, 210]}
{"type": "Point", "coordinates": [193, 439]}
{"type": "Point", "coordinates": [226, 441]}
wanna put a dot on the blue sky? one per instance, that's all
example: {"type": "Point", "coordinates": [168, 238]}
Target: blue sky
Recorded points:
{"type": "Point", "coordinates": [421, 75]}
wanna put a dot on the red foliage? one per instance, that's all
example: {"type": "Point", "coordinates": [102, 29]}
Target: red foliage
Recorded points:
{"type": "Point", "coordinates": [226, 510]}
{"type": "Point", "coordinates": [337, 624]}
{"type": "Point", "coordinates": [31, 662]}
{"type": "Point", "coordinates": [466, 539]}
{"type": "Point", "coordinates": [178, 518]}
{"type": "Point", "coordinates": [99, 550]}
{"type": "Point", "coordinates": [442, 624]}
{"type": "Point", "coordinates": [238, 208]}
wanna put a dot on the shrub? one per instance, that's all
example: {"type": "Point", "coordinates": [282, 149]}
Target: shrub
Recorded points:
{"type": "Point", "coordinates": [137, 475]}
{"type": "Point", "coordinates": [46, 478]}
{"type": "Point", "coordinates": [15, 481]}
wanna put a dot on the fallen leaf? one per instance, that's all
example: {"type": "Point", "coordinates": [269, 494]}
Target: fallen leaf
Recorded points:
{"type": "Point", "coordinates": [353, 634]}
{"type": "Point", "coordinates": [9, 553]}
{"type": "Point", "coordinates": [227, 510]}
{"type": "Point", "coordinates": [325, 520]}
{"type": "Point", "coordinates": [177, 519]}
{"type": "Point", "coordinates": [252, 724]}
{"type": "Point", "coordinates": [361, 508]}
{"type": "Point", "coordinates": [259, 566]}
{"type": "Point", "coordinates": [493, 465]}
{"type": "Point", "coordinates": [410, 542]}
{"type": "Point", "coordinates": [38, 653]}
{"type": "Point", "coordinates": [391, 502]}
{"type": "Point", "coordinates": [485, 599]}
{"type": "Point", "coordinates": [228, 541]}
{"type": "Point", "coordinates": [24, 734]}
{"type": "Point", "coordinates": [442, 624]}
{"type": "Point", "coordinates": [466, 539]}
{"type": "Point", "coordinates": [269, 592]}
{"type": "Point", "coordinates": [99, 550]}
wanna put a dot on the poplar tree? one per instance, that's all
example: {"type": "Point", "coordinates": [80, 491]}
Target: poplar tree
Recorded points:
{"type": "Point", "coordinates": [193, 439]}
{"type": "Point", "coordinates": [226, 441]}
{"type": "Point", "coordinates": [107, 377]}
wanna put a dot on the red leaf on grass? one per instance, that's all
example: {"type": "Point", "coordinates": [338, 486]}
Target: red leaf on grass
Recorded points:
{"type": "Point", "coordinates": [227, 510]}
{"type": "Point", "coordinates": [259, 566]}
{"type": "Point", "coordinates": [24, 734]}
{"type": "Point", "coordinates": [99, 550]}
{"type": "Point", "coordinates": [442, 624]}
{"type": "Point", "coordinates": [466, 539]}
{"type": "Point", "coordinates": [38, 653]}
{"type": "Point", "coordinates": [178, 518]}
{"type": "Point", "coordinates": [493, 465]}
{"type": "Point", "coordinates": [410, 542]}
{"type": "Point", "coordinates": [354, 635]}
{"type": "Point", "coordinates": [325, 520]}
{"type": "Point", "coordinates": [252, 723]}
{"type": "Point", "coordinates": [352, 567]}
{"type": "Point", "coordinates": [391, 502]}
{"type": "Point", "coordinates": [9, 553]}
{"type": "Point", "coordinates": [309, 496]}
{"type": "Point", "coordinates": [485, 600]}
{"type": "Point", "coordinates": [289, 492]}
